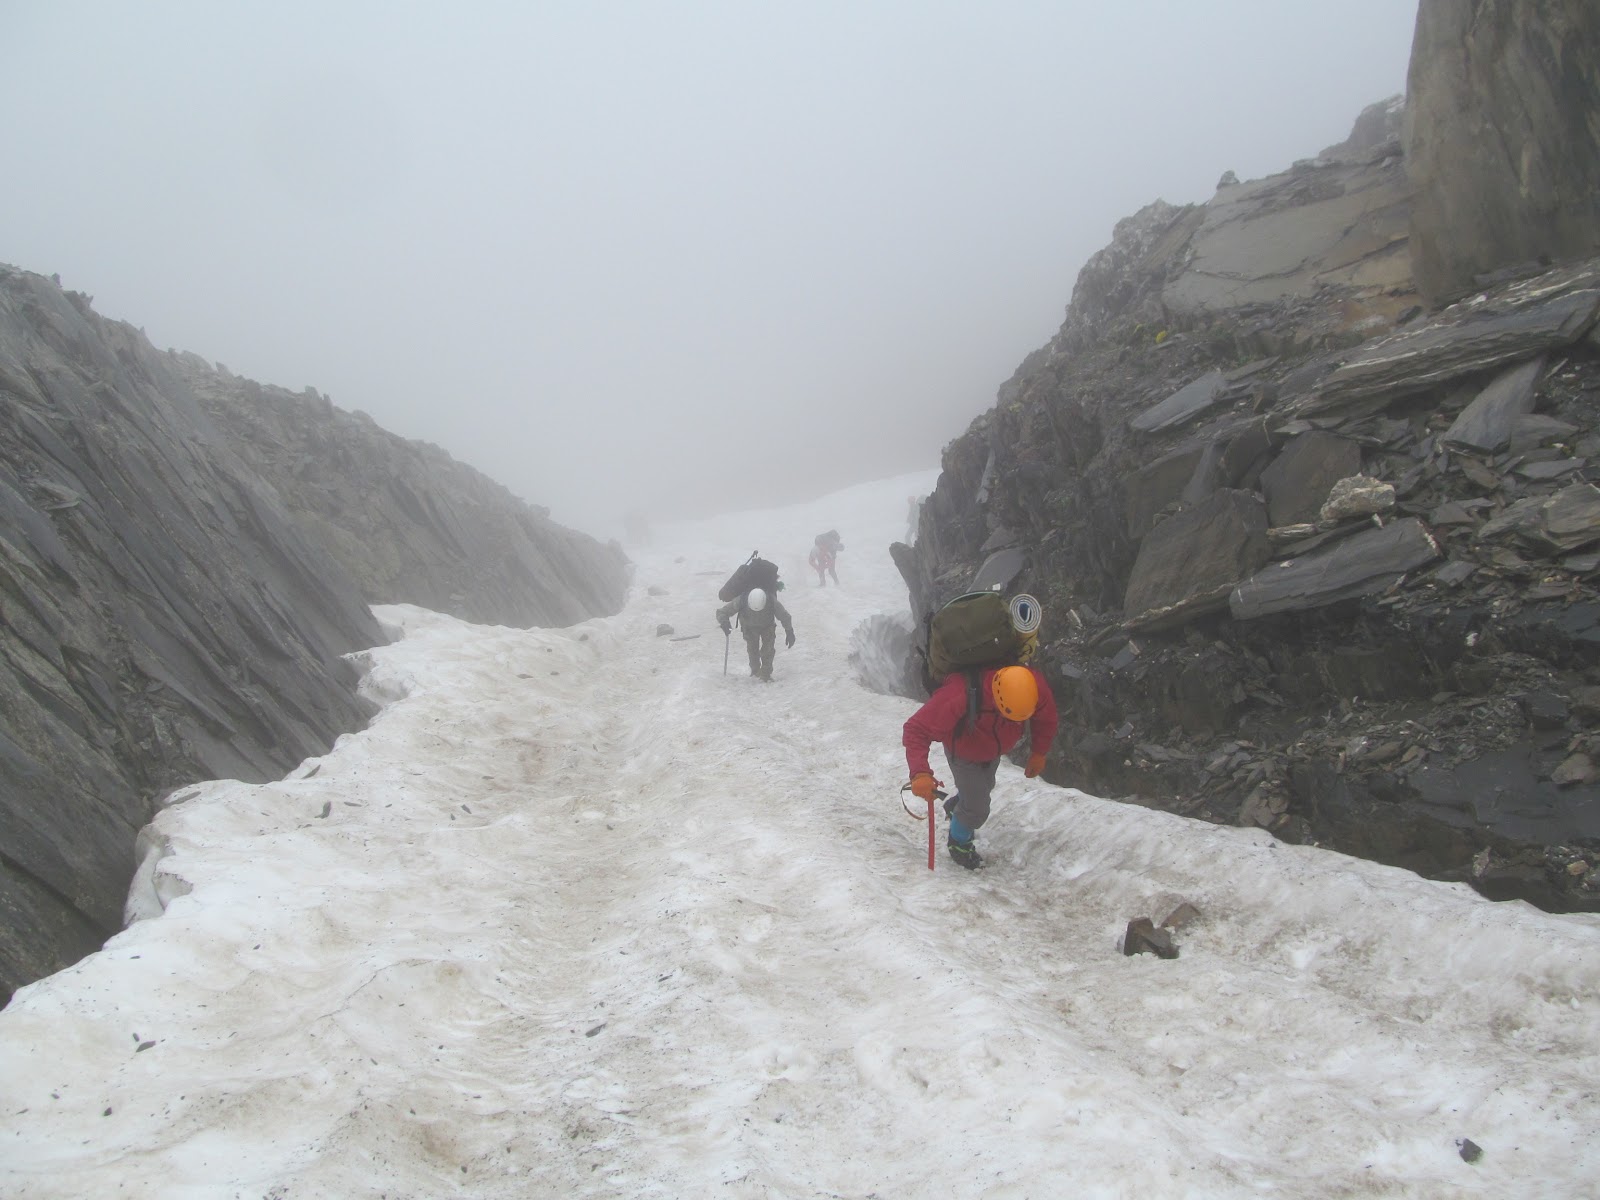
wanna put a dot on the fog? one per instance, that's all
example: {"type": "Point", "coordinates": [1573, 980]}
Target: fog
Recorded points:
{"type": "Point", "coordinates": [688, 258]}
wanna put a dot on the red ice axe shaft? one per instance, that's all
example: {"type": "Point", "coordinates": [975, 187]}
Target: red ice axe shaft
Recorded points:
{"type": "Point", "coordinates": [932, 821]}
{"type": "Point", "coordinates": [932, 855]}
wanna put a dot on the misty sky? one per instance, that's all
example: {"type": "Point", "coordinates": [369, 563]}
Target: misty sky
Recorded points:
{"type": "Point", "coordinates": [694, 257]}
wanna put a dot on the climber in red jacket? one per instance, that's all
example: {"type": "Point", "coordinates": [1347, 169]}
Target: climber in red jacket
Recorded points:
{"type": "Point", "coordinates": [978, 717]}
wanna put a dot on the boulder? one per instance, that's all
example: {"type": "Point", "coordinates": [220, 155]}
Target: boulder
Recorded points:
{"type": "Point", "coordinates": [1375, 135]}
{"type": "Point", "coordinates": [1357, 496]}
{"type": "Point", "coordinates": [1217, 456]}
{"type": "Point", "coordinates": [1143, 936]}
{"type": "Point", "coordinates": [1549, 524]}
{"type": "Point", "coordinates": [1159, 484]}
{"type": "Point", "coordinates": [1532, 430]}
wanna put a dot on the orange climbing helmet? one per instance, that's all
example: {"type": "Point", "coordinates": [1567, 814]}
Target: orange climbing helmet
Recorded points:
{"type": "Point", "coordinates": [1015, 691]}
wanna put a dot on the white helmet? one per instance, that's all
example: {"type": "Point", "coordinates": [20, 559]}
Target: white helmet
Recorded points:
{"type": "Point", "coordinates": [756, 600]}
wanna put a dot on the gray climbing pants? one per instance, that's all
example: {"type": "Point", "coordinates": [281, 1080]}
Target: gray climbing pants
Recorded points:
{"type": "Point", "coordinates": [761, 643]}
{"type": "Point", "coordinates": [975, 783]}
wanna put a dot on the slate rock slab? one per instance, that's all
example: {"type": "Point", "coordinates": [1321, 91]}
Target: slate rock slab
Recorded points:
{"type": "Point", "coordinates": [1357, 566]}
{"type": "Point", "coordinates": [1489, 422]}
{"type": "Point", "coordinates": [1299, 479]}
{"type": "Point", "coordinates": [1183, 405]}
{"type": "Point", "coordinates": [1190, 562]}
{"type": "Point", "coordinates": [1440, 352]}
{"type": "Point", "coordinates": [1550, 524]}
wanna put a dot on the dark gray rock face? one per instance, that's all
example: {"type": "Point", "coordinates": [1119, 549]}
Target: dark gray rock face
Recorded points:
{"type": "Point", "coordinates": [1490, 421]}
{"type": "Point", "coordinates": [1328, 223]}
{"type": "Point", "coordinates": [165, 619]}
{"type": "Point", "coordinates": [1342, 576]}
{"type": "Point", "coordinates": [1520, 322]}
{"type": "Point", "coordinates": [1359, 566]}
{"type": "Point", "coordinates": [1183, 405]}
{"type": "Point", "coordinates": [1500, 138]}
{"type": "Point", "coordinates": [1299, 478]}
{"type": "Point", "coordinates": [1189, 563]}
{"type": "Point", "coordinates": [168, 617]}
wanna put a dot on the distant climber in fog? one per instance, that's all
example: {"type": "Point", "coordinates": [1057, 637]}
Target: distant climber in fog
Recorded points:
{"type": "Point", "coordinates": [823, 553]}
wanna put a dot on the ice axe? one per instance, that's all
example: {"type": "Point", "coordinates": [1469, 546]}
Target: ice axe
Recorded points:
{"type": "Point", "coordinates": [727, 640]}
{"type": "Point", "coordinates": [933, 825]}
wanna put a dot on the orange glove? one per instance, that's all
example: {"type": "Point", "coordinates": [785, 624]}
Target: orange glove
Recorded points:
{"type": "Point", "coordinates": [923, 785]}
{"type": "Point", "coordinates": [1035, 765]}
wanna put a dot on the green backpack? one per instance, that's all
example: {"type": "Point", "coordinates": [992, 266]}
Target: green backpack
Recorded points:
{"type": "Point", "coordinates": [970, 633]}
{"type": "Point", "coordinates": [973, 630]}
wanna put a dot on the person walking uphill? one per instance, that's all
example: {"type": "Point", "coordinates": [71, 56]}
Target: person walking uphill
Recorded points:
{"type": "Point", "coordinates": [824, 552]}
{"type": "Point", "coordinates": [759, 616]}
{"type": "Point", "coordinates": [977, 729]}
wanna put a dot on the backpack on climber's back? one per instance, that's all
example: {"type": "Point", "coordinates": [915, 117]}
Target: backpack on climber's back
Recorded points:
{"type": "Point", "coordinates": [973, 630]}
{"type": "Point", "coordinates": [754, 572]}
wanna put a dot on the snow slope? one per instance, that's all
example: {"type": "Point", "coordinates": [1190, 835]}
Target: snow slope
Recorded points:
{"type": "Point", "coordinates": [578, 915]}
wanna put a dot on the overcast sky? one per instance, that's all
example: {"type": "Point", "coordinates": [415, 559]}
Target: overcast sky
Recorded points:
{"type": "Point", "coordinates": [694, 257]}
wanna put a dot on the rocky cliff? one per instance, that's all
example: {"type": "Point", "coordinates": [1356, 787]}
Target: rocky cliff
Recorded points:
{"type": "Point", "coordinates": [1503, 138]}
{"type": "Point", "coordinates": [1312, 557]}
{"type": "Point", "coordinates": [404, 519]}
{"type": "Point", "coordinates": [184, 559]}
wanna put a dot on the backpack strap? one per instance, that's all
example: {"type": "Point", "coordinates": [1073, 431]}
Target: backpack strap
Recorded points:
{"type": "Point", "coordinates": [969, 720]}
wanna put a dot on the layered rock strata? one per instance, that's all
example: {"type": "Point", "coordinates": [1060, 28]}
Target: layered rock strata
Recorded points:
{"type": "Point", "coordinates": [178, 589]}
{"type": "Point", "coordinates": [1312, 557]}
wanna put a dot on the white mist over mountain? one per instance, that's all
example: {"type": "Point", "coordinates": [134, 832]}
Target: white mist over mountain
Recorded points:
{"type": "Point", "coordinates": [683, 259]}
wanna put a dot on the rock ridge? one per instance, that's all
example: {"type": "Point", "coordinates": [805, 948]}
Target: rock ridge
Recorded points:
{"type": "Point", "coordinates": [178, 589]}
{"type": "Point", "coordinates": [1313, 557]}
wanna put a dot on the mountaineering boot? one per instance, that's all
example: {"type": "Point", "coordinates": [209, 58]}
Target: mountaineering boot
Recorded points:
{"type": "Point", "coordinates": [960, 837]}
{"type": "Point", "coordinates": [964, 854]}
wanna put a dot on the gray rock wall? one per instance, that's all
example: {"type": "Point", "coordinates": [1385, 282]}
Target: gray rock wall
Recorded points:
{"type": "Point", "coordinates": [164, 618]}
{"type": "Point", "coordinates": [1225, 640]}
{"type": "Point", "coordinates": [178, 585]}
{"type": "Point", "coordinates": [1502, 137]}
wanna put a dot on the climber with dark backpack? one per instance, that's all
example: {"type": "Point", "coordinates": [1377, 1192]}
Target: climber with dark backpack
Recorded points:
{"type": "Point", "coordinates": [754, 572]}
{"type": "Point", "coordinates": [984, 692]}
{"type": "Point", "coordinates": [752, 600]}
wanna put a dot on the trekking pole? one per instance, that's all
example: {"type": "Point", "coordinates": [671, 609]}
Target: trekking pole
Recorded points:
{"type": "Point", "coordinates": [727, 640]}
